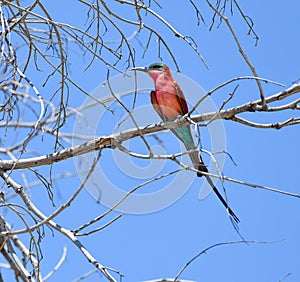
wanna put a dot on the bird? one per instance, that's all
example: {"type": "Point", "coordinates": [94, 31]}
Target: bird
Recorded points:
{"type": "Point", "coordinates": [169, 102]}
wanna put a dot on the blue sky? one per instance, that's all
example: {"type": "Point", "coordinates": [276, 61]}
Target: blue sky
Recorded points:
{"type": "Point", "coordinates": [155, 245]}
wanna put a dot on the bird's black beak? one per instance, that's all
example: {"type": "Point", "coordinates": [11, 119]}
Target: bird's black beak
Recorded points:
{"type": "Point", "coordinates": [144, 69]}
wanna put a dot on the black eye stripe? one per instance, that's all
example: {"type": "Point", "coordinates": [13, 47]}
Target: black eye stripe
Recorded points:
{"type": "Point", "coordinates": [157, 66]}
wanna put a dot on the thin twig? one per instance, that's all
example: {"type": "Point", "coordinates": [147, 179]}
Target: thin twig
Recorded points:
{"type": "Point", "coordinates": [218, 245]}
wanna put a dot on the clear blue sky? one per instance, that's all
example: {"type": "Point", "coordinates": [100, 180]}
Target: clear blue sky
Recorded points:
{"type": "Point", "coordinates": [158, 244]}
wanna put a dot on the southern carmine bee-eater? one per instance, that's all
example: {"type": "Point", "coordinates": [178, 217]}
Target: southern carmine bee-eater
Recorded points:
{"type": "Point", "coordinates": [169, 102]}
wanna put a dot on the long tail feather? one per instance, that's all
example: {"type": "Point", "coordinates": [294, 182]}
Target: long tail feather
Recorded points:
{"type": "Point", "coordinates": [229, 210]}
{"type": "Point", "coordinates": [185, 136]}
